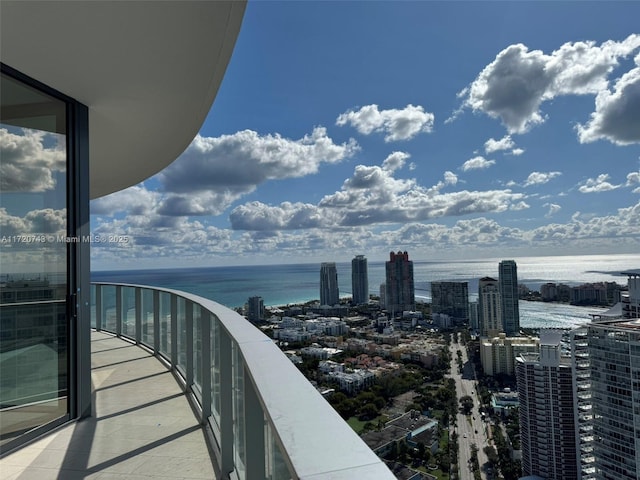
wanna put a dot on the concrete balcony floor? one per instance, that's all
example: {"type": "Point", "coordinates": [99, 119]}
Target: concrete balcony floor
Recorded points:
{"type": "Point", "coordinates": [142, 426]}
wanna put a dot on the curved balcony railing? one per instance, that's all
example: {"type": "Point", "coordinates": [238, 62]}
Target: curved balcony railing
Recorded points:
{"type": "Point", "coordinates": [263, 418]}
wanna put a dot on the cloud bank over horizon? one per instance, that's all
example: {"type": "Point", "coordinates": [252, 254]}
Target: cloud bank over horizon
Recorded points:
{"type": "Point", "coordinates": [497, 175]}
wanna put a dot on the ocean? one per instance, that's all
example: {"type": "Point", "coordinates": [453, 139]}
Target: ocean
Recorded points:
{"type": "Point", "coordinates": [297, 283]}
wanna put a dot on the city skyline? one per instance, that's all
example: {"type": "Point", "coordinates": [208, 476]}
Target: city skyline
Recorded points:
{"type": "Point", "coordinates": [329, 137]}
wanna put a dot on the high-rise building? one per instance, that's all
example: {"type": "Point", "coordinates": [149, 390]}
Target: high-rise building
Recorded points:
{"type": "Point", "coordinates": [329, 294]}
{"type": "Point", "coordinates": [451, 298]}
{"type": "Point", "coordinates": [473, 316]}
{"type": "Point", "coordinates": [631, 298]}
{"type": "Point", "coordinates": [383, 295]}
{"type": "Point", "coordinates": [489, 307]}
{"type": "Point", "coordinates": [359, 280]}
{"type": "Point", "coordinates": [400, 290]}
{"type": "Point", "coordinates": [255, 309]}
{"type": "Point", "coordinates": [547, 423]}
{"type": "Point", "coordinates": [614, 354]}
{"type": "Point", "coordinates": [508, 279]}
{"type": "Point", "coordinates": [582, 411]}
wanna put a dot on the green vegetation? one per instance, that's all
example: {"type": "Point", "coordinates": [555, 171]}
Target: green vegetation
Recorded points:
{"type": "Point", "coordinates": [466, 404]}
{"type": "Point", "coordinates": [362, 426]}
{"type": "Point", "coordinates": [511, 469]}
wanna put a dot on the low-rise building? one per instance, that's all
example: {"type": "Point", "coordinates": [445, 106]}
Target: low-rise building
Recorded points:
{"type": "Point", "coordinates": [504, 402]}
{"type": "Point", "coordinates": [498, 354]}
{"type": "Point", "coordinates": [352, 382]}
{"type": "Point", "coordinates": [412, 427]}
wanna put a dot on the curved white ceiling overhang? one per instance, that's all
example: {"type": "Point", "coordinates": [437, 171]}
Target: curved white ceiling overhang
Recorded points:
{"type": "Point", "coordinates": [148, 71]}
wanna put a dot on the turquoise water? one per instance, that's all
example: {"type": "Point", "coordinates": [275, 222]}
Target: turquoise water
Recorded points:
{"type": "Point", "coordinates": [297, 283]}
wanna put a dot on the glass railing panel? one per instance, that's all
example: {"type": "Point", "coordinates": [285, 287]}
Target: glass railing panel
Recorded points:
{"type": "Point", "coordinates": [164, 305]}
{"type": "Point", "coordinates": [198, 313]}
{"type": "Point", "coordinates": [275, 464]}
{"type": "Point", "coordinates": [128, 311]}
{"type": "Point", "coordinates": [182, 335]}
{"type": "Point", "coordinates": [239, 421]}
{"type": "Point", "coordinates": [92, 305]}
{"type": "Point", "coordinates": [147, 317]}
{"type": "Point", "coordinates": [109, 314]}
{"type": "Point", "coordinates": [215, 368]}
{"type": "Point", "coordinates": [168, 310]}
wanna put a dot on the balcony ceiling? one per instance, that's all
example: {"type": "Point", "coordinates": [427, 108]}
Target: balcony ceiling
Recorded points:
{"type": "Point", "coordinates": [148, 71]}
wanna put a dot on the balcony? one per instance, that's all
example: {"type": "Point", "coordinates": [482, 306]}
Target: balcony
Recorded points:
{"type": "Point", "coordinates": [169, 355]}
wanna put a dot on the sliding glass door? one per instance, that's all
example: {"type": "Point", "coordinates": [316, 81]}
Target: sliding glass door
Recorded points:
{"type": "Point", "coordinates": [35, 249]}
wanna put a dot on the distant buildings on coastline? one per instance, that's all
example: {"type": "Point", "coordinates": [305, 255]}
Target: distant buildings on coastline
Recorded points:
{"type": "Point", "coordinates": [577, 391]}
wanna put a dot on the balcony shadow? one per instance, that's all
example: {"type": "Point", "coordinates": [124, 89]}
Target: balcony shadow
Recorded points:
{"type": "Point", "coordinates": [120, 362]}
{"type": "Point", "coordinates": [95, 447]}
{"type": "Point", "coordinates": [134, 380]}
{"type": "Point", "coordinates": [139, 407]}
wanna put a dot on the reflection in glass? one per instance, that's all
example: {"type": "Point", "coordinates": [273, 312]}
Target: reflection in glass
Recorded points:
{"type": "Point", "coordinates": [33, 259]}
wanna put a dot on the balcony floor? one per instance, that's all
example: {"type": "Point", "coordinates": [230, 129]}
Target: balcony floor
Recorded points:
{"type": "Point", "coordinates": [142, 426]}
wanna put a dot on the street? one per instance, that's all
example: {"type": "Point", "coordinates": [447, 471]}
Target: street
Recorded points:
{"type": "Point", "coordinates": [470, 429]}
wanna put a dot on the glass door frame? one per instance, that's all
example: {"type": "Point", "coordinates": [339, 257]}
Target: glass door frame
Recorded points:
{"type": "Point", "coordinates": [78, 261]}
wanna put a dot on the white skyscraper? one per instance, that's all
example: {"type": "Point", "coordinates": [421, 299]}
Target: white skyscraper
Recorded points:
{"type": "Point", "coordinates": [614, 354]}
{"type": "Point", "coordinates": [329, 294]}
{"type": "Point", "coordinates": [489, 307]}
{"type": "Point", "coordinates": [547, 423]}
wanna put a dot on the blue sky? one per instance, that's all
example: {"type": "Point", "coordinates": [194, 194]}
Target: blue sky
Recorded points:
{"type": "Point", "coordinates": [451, 130]}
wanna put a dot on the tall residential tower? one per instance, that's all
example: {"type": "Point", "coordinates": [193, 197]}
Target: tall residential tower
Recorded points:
{"type": "Point", "coordinates": [489, 307]}
{"type": "Point", "coordinates": [359, 280]}
{"type": "Point", "coordinates": [508, 279]}
{"type": "Point", "coordinates": [547, 423]}
{"type": "Point", "coordinates": [329, 294]}
{"type": "Point", "coordinates": [614, 355]}
{"type": "Point", "coordinates": [400, 290]}
{"type": "Point", "coordinates": [451, 298]}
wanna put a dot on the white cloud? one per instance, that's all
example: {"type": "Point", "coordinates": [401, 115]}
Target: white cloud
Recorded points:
{"type": "Point", "coordinates": [42, 221]}
{"type": "Point", "coordinates": [492, 145]}
{"type": "Point", "coordinates": [395, 161]}
{"type": "Point", "coordinates": [136, 200]}
{"type": "Point", "coordinates": [374, 196]}
{"type": "Point", "coordinates": [475, 163]}
{"type": "Point", "coordinates": [397, 124]}
{"type": "Point", "coordinates": [599, 184]}
{"type": "Point", "coordinates": [450, 178]}
{"type": "Point", "coordinates": [616, 117]}
{"type": "Point", "coordinates": [553, 209]}
{"type": "Point", "coordinates": [538, 178]}
{"type": "Point", "coordinates": [519, 206]}
{"type": "Point", "coordinates": [29, 159]}
{"type": "Point", "coordinates": [517, 151]}
{"type": "Point", "coordinates": [632, 179]}
{"type": "Point", "coordinates": [215, 172]}
{"type": "Point", "coordinates": [513, 86]}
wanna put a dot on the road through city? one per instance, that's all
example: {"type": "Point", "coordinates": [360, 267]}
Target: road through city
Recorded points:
{"type": "Point", "coordinates": [471, 429]}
